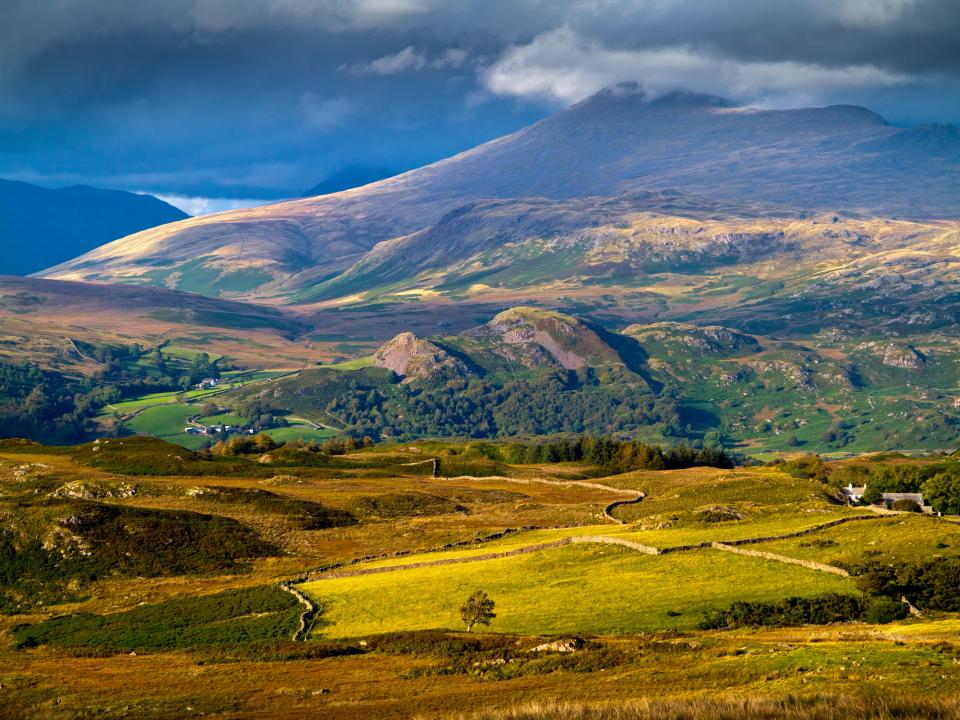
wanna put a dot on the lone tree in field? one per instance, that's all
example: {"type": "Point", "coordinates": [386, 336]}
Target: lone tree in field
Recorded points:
{"type": "Point", "coordinates": [477, 610]}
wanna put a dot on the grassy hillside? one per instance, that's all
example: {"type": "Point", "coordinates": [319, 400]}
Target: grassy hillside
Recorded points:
{"type": "Point", "coordinates": [581, 589]}
{"type": "Point", "coordinates": [534, 371]}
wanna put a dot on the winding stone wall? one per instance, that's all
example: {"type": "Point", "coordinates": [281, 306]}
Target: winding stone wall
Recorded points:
{"type": "Point", "coordinates": [608, 510]}
{"type": "Point", "coordinates": [311, 610]}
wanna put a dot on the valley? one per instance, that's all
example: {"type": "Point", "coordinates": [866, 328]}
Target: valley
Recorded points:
{"type": "Point", "coordinates": [529, 372]}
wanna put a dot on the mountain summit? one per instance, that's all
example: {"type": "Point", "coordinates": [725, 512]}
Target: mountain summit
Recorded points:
{"type": "Point", "coordinates": [618, 142]}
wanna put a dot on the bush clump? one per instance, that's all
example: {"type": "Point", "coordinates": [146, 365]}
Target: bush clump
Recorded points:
{"type": "Point", "coordinates": [819, 610]}
{"type": "Point", "coordinates": [307, 514]}
{"type": "Point", "coordinates": [93, 540]}
{"type": "Point", "coordinates": [930, 585]}
{"type": "Point", "coordinates": [243, 616]}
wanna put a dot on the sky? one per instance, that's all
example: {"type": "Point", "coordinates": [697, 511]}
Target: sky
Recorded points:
{"type": "Point", "coordinates": [215, 104]}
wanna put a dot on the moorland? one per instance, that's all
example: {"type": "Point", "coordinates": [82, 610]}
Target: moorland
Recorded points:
{"type": "Point", "coordinates": [146, 580]}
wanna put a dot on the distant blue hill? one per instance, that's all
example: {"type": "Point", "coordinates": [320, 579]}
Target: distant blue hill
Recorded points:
{"type": "Point", "coordinates": [350, 177]}
{"type": "Point", "coordinates": [40, 227]}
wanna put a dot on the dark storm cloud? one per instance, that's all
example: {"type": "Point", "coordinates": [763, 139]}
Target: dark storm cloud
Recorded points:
{"type": "Point", "coordinates": [262, 98]}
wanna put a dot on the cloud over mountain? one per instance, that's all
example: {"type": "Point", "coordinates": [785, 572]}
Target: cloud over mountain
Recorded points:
{"type": "Point", "coordinates": [259, 98]}
{"type": "Point", "coordinates": [562, 66]}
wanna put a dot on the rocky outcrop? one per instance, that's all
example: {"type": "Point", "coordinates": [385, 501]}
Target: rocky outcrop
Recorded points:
{"type": "Point", "coordinates": [712, 339]}
{"type": "Point", "coordinates": [565, 645]}
{"type": "Point", "coordinates": [902, 356]}
{"type": "Point", "coordinates": [414, 358]}
{"type": "Point", "coordinates": [534, 337]}
{"type": "Point", "coordinates": [85, 490]}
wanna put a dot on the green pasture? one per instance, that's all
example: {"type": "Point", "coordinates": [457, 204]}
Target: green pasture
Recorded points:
{"type": "Point", "coordinates": [595, 589]}
{"type": "Point", "coordinates": [300, 432]}
{"type": "Point", "coordinates": [355, 364]}
{"type": "Point", "coordinates": [910, 537]}
{"type": "Point", "coordinates": [226, 418]}
{"type": "Point", "coordinates": [162, 421]}
{"type": "Point", "coordinates": [693, 534]}
{"type": "Point", "coordinates": [144, 401]}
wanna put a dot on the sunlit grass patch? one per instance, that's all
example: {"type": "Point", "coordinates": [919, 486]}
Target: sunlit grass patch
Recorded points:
{"type": "Point", "coordinates": [581, 589]}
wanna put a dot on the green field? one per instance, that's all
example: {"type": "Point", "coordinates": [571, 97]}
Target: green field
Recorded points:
{"type": "Point", "coordinates": [187, 354]}
{"type": "Point", "coordinates": [904, 538]}
{"type": "Point", "coordinates": [222, 419]}
{"type": "Point", "coordinates": [595, 589]}
{"type": "Point", "coordinates": [162, 421]}
{"type": "Point", "coordinates": [662, 539]}
{"type": "Point", "coordinates": [165, 414]}
{"type": "Point", "coordinates": [300, 432]}
{"type": "Point", "coordinates": [355, 364]}
{"type": "Point", "coordinates": [144, 401]}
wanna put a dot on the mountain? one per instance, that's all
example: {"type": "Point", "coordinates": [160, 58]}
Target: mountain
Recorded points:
{"type": "Point", "coordinates": [618, 168]}
{"type": "Point", "coordinates": [350, 177]}
{"type": "Point", "coordinates": [41, 226]}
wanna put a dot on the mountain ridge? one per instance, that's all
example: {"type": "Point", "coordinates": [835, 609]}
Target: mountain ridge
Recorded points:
{"type": "Point", "coordinates": [835, 159]}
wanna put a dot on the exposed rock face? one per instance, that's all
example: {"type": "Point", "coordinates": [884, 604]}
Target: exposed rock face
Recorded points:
{"type": "Point", "coordinates": [559, 646]}
{"type": "Point", "coordinates": [414, 358]}
{"type": "Point", "coordinates": [902, 356]}
{"type": "Point", "coordinates": [539, 337]}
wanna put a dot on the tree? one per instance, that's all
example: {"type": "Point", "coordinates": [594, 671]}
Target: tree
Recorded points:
{"type": "Point", "coordinates": [872, 495]}
{"type": "Point", "coordinates": [943, 492]}
{"type": "Point", "coordinates": [477, 610]}
{"type": "Point", "coordinates": [264, 443]}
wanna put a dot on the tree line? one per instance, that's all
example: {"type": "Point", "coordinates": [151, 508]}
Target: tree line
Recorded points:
{"type": "Point", "coordinates": [623, 455]}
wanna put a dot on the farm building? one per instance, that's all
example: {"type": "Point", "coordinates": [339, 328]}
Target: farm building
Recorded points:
{"type": "Point", "coordinates": [854, 496]}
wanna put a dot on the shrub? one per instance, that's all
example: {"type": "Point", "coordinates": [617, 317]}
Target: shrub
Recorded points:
{"type": "Point", "coordinates": [933, 584]}
{"type": "Point", "coordinates": [872, 495]}
{"type": "Point", "coordinates": [819, 610]}
{"type": "Point", "coordinates": [943, 493]}
{"type": "Point", "coordinates": [906, 505]}
{"type": "Point", "coordinates": [438, 643]}
{"type": "Point", "coordinates": [885, 610]}
{"type": "Point", "coordinates": [243, 616]}
{"type": "Point", "coordinates": [806, 467]}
